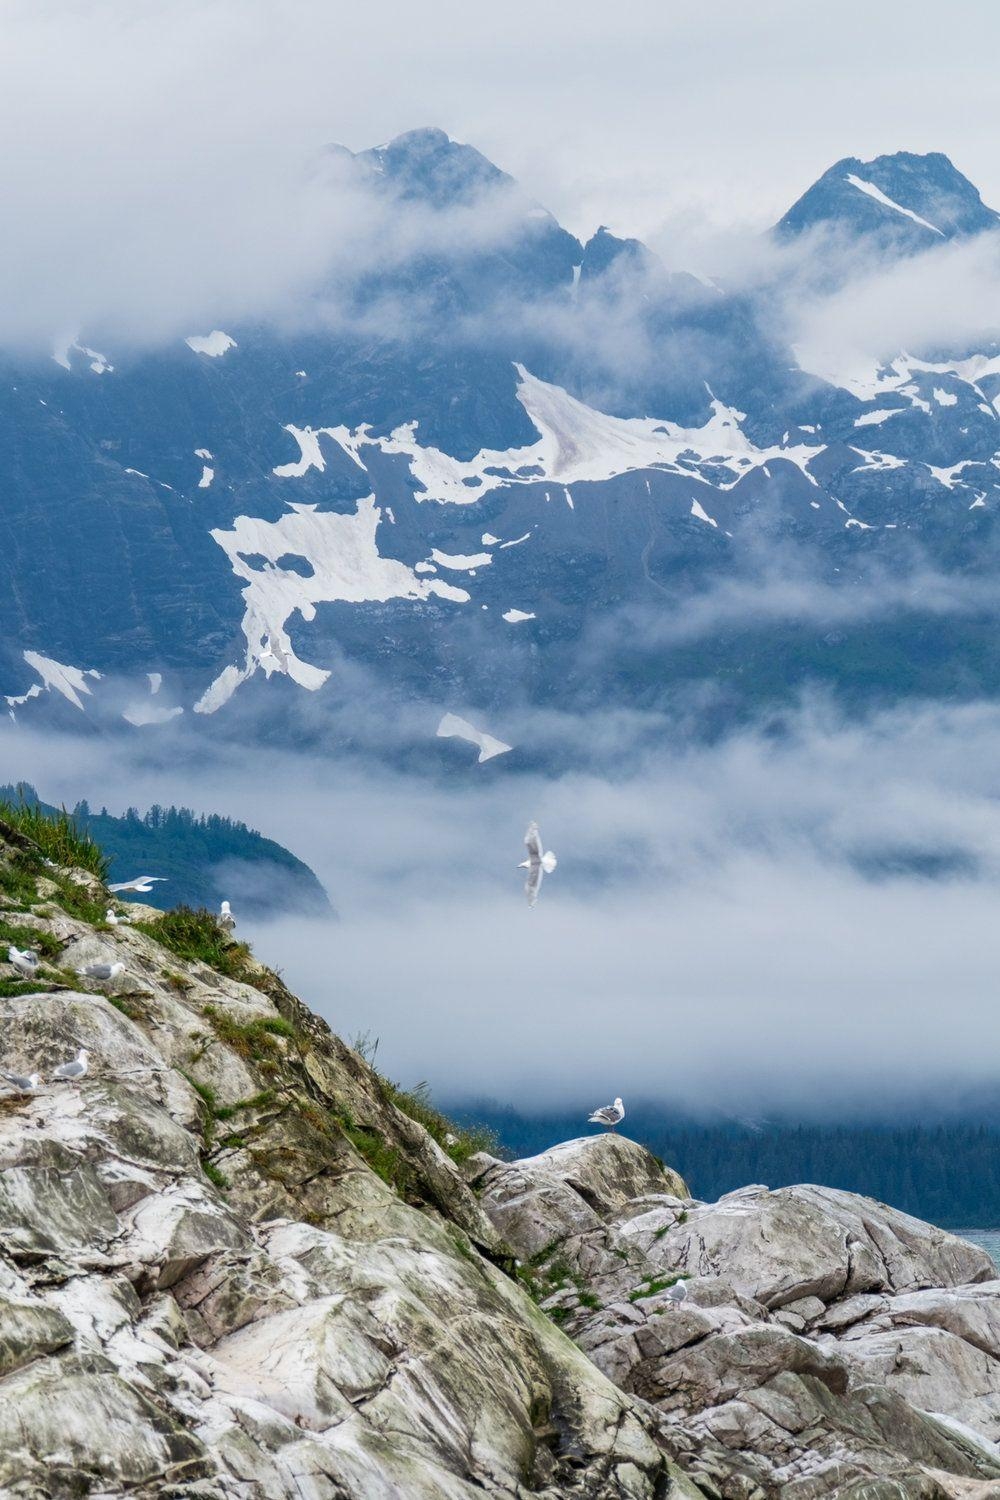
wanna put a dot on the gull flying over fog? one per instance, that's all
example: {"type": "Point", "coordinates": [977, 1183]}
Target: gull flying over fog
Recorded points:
{"type": "Point", "coordinates": [226, 919]}
{"type": "Point", "coordinates": [101, 973]}
{"type": "Point", "coordinates": [24, 961]}
{"type": "Point", "coordinates": [72, 1072]}
{"type": "Point", "coordinates": [539, 862]}
{"type": "Point", "coordinates": [611, 1115]}
{"type": "Point", "coordinates": [24, 1085]}
{"type": "Point", "coordinates": [677, 1293]}
{"type": "Point", "coordinates": [141, 883]}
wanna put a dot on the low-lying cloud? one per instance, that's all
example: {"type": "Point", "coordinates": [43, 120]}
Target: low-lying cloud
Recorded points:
{"type": "Point", "coordinates": [796, 916]}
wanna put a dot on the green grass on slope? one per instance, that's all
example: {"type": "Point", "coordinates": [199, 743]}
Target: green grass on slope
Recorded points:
{"type": "Point", "coordinates": [58, 836]}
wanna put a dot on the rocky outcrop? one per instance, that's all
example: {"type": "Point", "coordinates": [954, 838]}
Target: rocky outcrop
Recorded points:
{"type": "Point", "coordinates": [230, 1266]}
{"type": "Point", "coordinates": [828, 1344]}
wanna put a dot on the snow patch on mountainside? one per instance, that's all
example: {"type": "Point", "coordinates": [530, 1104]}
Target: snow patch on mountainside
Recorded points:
{"type": "Point", "coordinates": [576, 443]}
{"type": "Point", "coordinates": [453, 727]}
{"type": "Point", "coordinates": [99, 363]}
{"type": "Point", "coordinates": [344, 563]}
{"type": "Point", "coordinates": [56, 677]}
{"type": "Point", "coordinates": [871, 191]}
{"type": "Point", "coordinates": [213, 344]}
{"type": "Point", "coordinates": [873, 381]}
{"type": "Point", "coordinates": [459, 562]}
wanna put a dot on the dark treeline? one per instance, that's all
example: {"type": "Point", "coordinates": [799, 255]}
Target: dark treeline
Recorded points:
{"type": "Point", "coordinates": [201, 857]}
{"type": "Point", "coordinates": [948, 1173]}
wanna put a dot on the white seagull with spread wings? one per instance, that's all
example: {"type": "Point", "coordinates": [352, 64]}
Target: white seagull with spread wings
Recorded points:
{"type": "Point", "coordinates": [141, 883]}
{"type": "Point", "coordinates": [540, 861]}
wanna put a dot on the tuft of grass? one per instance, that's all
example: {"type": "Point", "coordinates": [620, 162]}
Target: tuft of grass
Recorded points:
{"type": "Point", "coordinates": [11, 987]}
{"type": "Point", "coordinates": [196, 936]}
{"type": "Point", "coordinates": [127, 1005]}
{"type": "Point", "coordinates": [27, 937]}
{"type": "Point", "coordinates": [457, 1141]}
{"type": "Point", "coordinates": [259, 1101]}
{"type": "Point", "coordinates": [652, 1286]}
{"type": "Point", "coordinates": [205, 1093]}
{"type": "Point", "coordinates": [58, 837]}
{"type": "Point", "coordinates": [212, 1172]}
{"type": "Point", "coordinates": [257, 1040]}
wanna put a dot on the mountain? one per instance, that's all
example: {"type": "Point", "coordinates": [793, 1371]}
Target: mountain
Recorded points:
{"type": "Point", "coordinates": [512, 470]}
{"type": "Point", "coordinates": [901, 201]}
{"type": "Point", "coordinates": [236, 1263]}
{"type": "Point", "coordinates": [201, 860]}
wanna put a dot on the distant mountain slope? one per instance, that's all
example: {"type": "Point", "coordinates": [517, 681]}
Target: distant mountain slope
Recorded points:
{"type": "Point", "coordinates": [510, 468]}
{"type": "Point", "coordinates": [203, 860]}
{"type": "Point", "coordinates": [903, 200]}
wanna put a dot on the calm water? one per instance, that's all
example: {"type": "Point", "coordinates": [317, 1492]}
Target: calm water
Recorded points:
{"type": "Point", "coordinates": [988, 1238]}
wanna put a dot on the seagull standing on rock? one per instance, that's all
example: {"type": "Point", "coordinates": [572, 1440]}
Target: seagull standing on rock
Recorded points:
{"type": "Point", "coordinates": [540, 861]}
{"type": "Point", "coordinates": [23, 1085]}
{"type": "Point", "coordinates": [677, 1293]}
{"type": "Point", "coordinates": [25, 962]}
{"type": "Point", "coordinates": [72, 1072]}
{"type": "Point", "coordinates": [611, 1115]}
{"type": "Point", "coordinates": [101, 973]}
{"type": "Point", "coordinates": [226, 919]}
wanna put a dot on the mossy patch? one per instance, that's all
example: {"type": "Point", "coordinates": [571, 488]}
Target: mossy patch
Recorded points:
{"type": "Point", "coordinates": [258, 1040]}
{"type": "Point", "coordinates": [652, 1286]}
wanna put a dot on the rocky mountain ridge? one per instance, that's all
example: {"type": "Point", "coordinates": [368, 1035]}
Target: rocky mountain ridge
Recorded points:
{"type": "Point", "coordinates": [508, 464]}
{"type": "Point", "coordinates": [231, 1265]}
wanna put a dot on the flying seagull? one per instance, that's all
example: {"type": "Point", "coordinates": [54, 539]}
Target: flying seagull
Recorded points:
{"type": "Point", "coordinates": [611, 1115]}
{"type": "Point", "coordinates": [142, 883]}
{"type": "Point", "coordinates": [101, 973]}
{"type": "Point", "coordinates": [23, 1085]}
{"type": "Point", "coordinates": [25, 962]}
{"type": "Point", "coordinates": [73, 1071]}
{"type": "Point", "coordinates": [226, 919]}
{"type": "Point", "coordinates": [538, 863]}
{"type": "Point", "coordinates": [677, 1293]}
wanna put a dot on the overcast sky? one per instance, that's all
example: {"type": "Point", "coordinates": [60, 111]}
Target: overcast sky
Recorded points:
{"type": "Point", "coordinates": [627, 113]}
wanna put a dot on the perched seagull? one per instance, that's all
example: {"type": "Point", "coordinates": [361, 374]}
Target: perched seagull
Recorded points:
{"type": "Point", "coordinates": [538, 863]}
{"type": "Point", "coordinates": [142, 883]}
{"type": "Point", "coordinates": [101, 973]}
{"type": "Point", "coordinates": [226, 919]}
{"type": "Point", "coordinates": [611, 1115]}
{"type": "Point", "coordinates": [26, 962]}
{"type": "Point", "coordinates": [677, 1293]}
{"type": "Point", "coordinates": [72, 1072]}
{"type": "Point", "coordinates": [111, 917]}
{"type": "Point", "coordinates": [23, 1085]}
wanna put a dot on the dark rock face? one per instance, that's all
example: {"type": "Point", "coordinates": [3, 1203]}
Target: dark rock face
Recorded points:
{"type": "Point", "coordinates": [928, 200]}
{"type": "Point", "coordinates": [255, 504]}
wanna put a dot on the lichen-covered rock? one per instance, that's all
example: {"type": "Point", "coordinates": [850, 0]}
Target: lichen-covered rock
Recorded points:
{"type": "Point", "coordinates": [232, 1269]}
{"type": "Point", "coordinates": [831, 1345]}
